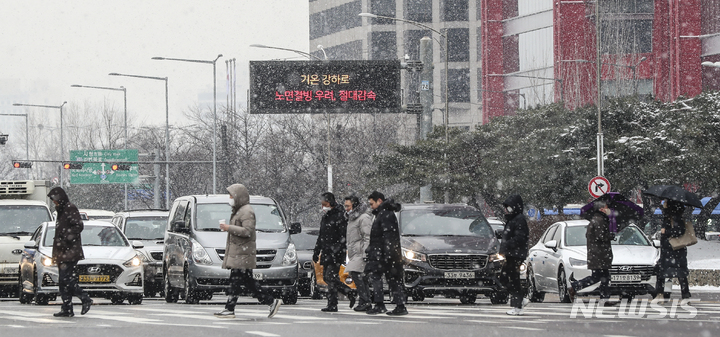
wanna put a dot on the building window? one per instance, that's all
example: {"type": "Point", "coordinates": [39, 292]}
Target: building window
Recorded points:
{"type": "Point", "coordinates": [627, 26]}
{"type": "Point", "coordinates": [418, 10]}
{"type": "Point", "coordinates": [335, 19]}
{"type": "Point", "coordinates": [384, 46]}
{"type": "Point", "coordinates": [412, 42]}
{"type": "Point", "coordinates": [458, 85]}
{"type": "Point", "coordinates": [458, 44]}
{"type": "Point", "coordinates": [455, 10]}
{"type": "Point", "coordinates": [384, 8]}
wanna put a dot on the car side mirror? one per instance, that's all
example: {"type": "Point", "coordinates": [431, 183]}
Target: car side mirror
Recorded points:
{"type": "Point", "coordinates": [552, 244]}
{"type": "Point", "coordinates": [656, 243]}
{"type": "Point", "coordinates": [31, 245]}
{"type": "Point", "coordinates": [179, 227]}
{"type": "Point", "coordinates": [137, 244]}
{"type": "Point", "coordinates": [498, 234]}
{"type": "Point", "coordinates": [295, 228]}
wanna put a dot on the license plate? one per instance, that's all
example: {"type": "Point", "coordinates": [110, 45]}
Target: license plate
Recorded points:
{"type": "Point", "coordinates": [94, 278]}
{"type": "Point", "coordinates": [258, 276]}
{"type": "Point", "coordinates": [625, 278]}
{"type": "Point", "coordinates": [10, 270]}
{"type": "Point", "coordinates": [460, 274]}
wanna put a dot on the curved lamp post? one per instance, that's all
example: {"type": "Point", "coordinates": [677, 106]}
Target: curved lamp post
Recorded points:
{"type": "Point", "coordinates": [213, 62]}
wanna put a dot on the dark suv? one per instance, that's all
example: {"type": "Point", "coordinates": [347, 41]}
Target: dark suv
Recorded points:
{"type": "Point", "coordinates": [450, 250]}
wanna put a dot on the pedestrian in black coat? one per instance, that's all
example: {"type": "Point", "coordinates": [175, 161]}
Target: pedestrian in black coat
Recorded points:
{"type": "Point", "coordinates": [672, 263]}
{"type": "Point", "coordinates": [384, 255]}
{"type": "Point", "coordinates": [599, 254]}
{"type": "Point", "coordinates": [67, 251]}
{"type": "Point", "coordinates": [514, 247]}
{"type": "Point", "coordinates": [330, 250]}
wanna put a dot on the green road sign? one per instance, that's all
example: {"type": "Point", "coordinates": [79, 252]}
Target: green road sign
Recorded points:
{"type": "Point", "coordinates": [102, 173]}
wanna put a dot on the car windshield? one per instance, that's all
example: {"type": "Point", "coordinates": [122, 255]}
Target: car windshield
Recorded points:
{"type": "Point", "coordinates": [94, 236]}
{"type": "Point", "coordinates": [22, 219]}
{"type": "Point", "coordinates": [304, 241]}
{"type": "Point", "coordinates": [628, 236]}
{"type": "Point", "coordinates": [145, 228]}
{"type": "Point", "coordinates": [267, 217]}
{"type": "Point", "coordinates": [449, 222]}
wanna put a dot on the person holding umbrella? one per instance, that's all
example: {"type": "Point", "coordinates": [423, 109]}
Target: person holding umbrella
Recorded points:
{"type": "Point", "coordinates": [672, 262]}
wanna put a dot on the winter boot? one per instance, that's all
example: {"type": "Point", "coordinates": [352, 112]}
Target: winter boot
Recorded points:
{"type": "Point", "coordinates": [399, 310]}
{"type": "Point", "coordinates": [378, 309]}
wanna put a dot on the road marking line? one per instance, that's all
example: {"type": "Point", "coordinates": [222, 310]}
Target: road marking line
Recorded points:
{"type": "Point", "coordinates": [262, 333]}
{"type": "Point", "coordinates": [521, 328]}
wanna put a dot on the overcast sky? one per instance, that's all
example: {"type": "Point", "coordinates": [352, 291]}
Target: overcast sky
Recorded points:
{"type": "Point", "coordinates": [45, 46]}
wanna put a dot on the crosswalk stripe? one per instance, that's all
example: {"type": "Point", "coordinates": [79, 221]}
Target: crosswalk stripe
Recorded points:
{"type": "Point", "coordinates": [262, 333]}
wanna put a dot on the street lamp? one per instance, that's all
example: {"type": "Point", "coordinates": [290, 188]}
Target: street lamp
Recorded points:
{"type": "Point", "coordinates": [711, 64]}
{"type": "Point", "coordinates": [444, 36]}
{"type": "Point", "coordinates": [62, 147]}
{"type": "Point", "coordinates": [125, 117]}
{"type": "Point", "coordinates": [308, 55]}
{"type": "Point", "coordinates": [167, 131]}
{"type": "Point", "coordinates": [27, 137]}
{"type": "Point", "coordinates": [214, 108]}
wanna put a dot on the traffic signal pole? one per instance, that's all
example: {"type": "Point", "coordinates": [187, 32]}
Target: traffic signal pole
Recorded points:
{"type": "Point", "coordinates": [426, 100]}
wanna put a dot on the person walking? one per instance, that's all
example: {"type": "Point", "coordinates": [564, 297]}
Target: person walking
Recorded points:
{"type": "Point", "coordinates": [514, 247]}
{"type": "Point", "coordinates": [67, 251]}
{"type": "Point", "coordinates": [384, 255]}
{"type": "Point", "coordinates": [599, 255]}
{"type": "Point", "coordinates": [240, 250]}
{"type": "Point", "coordinates": [358, 239]}
{"type": "Point", "coordinates": [672, 263]}
{"type": "Point", "coordinates": [330, 251]}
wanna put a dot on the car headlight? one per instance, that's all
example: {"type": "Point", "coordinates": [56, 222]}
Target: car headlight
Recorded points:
{"type": "Point", "coordinates": [496, 258]}
{"type": "Point", "coordinates": [142, 256]}
{"type": "Point", "coordinates": [199, 254]}
{"type": "Point", "coordinates": [413, 255]}
{"type": "Point", "coordinates": [577, 262]}
{"type": "Point", "coordinates": [523, 267]}
{"type": "Point", "coordinates": [290, 256]}
{"type": "Point", "coordinates": [134, 262]}
{"type": "Point", "coordinates": [47, 262]}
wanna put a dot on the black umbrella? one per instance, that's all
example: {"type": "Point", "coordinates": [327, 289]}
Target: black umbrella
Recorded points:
{"type": "Point", "coordinates": [676, 193]}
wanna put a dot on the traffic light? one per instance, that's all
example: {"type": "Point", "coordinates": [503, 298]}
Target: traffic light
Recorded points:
{"type": "Point", "coordinates": [72, 166]}
{"type": "Point", "coordinates": [22, 164]}
{"type": "Point", "coordinates": [120, 167]}
{"type": "Point", "coordinates": [3, 139]}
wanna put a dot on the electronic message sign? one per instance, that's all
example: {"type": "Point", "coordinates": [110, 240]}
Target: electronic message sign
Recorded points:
{"type": "Point", "coordinates": [325, 86]}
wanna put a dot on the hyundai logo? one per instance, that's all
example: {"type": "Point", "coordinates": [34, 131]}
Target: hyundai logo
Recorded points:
{"type": "Point", "coordinates": [626, 268]}
{"type": "Point", "coordinates": [17, 251]}
{"type": "Point", "coordinates": [93, 269]}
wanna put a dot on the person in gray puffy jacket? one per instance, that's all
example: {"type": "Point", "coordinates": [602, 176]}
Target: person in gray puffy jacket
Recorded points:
{"type": "Point", "coordinates": [358, 239]}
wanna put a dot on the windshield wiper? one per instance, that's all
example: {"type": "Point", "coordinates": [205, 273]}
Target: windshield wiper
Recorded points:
{"type": "Point", "coordinates": [15, 233]}
{"type": "Point", "coordinates": [210, 229]}
{"type": "Point", "coordinates": [138, 239]}
{"type": "Point", "coordinates": [266, 230]}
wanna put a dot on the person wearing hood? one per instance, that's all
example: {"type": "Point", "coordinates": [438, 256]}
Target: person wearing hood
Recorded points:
{"type": "Point", "coordinates": [67, 251]}
{"type": "Point", "coordinates": [240, 251]}
{"type": "Point", "coordinates": [330, 251]}
{"type": "Point", "coordinates": [384, 255]}
{"type": "Point", "coordinates": [672, 263]}
{"type": "Point", "coordinates": [358, 239]}
{"type": "Point", "coordinates": [599, 255]}
{"type": "Point", "coordinates": [514, 247]}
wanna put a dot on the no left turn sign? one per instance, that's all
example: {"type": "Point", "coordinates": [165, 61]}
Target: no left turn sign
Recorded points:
{"type": "Point", "coordinates": [598, 186]}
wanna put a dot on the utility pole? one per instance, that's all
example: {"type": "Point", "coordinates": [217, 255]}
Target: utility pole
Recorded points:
{"type": "Point", "coordinates": [156, 188]}
{"type": "Point", "coordinates": [426, 100]}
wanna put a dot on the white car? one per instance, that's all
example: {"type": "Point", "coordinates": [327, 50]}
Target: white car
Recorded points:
{"type": "Point", "coordinates": [111, 269]}
{"type": "Point", "coordinates": [562, 251]}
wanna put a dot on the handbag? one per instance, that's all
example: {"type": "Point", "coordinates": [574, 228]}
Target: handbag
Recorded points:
{"type": "Point", "coordinates": [686, 240]}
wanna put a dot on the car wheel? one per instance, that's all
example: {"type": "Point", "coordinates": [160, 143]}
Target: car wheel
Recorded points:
{"type": "Point", "coordinates": [171, 295]}
{"type": "Point", "coordinates": [498, 297]}
{"type": "Point", "coordinates": [135, 299]}
{"type": "Point", "coordinates": [191, 294]}
{"type": "Point", "coordinates": [562, 287]}
{"type": "Point", "coordinates": [117, 299]}
{"type": "Point", "coordinates": [468, 299]}
{"type": "Point", "coordinates": [314, 290]}
{"type": "Point", "coordinates": [418, 295]}
{"type": "Point", "coordinates": [290, 298]}
{"type": "Point", "coordinates": [533, 294]}
{"type": "Point", "coordinates": [41, 299]}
